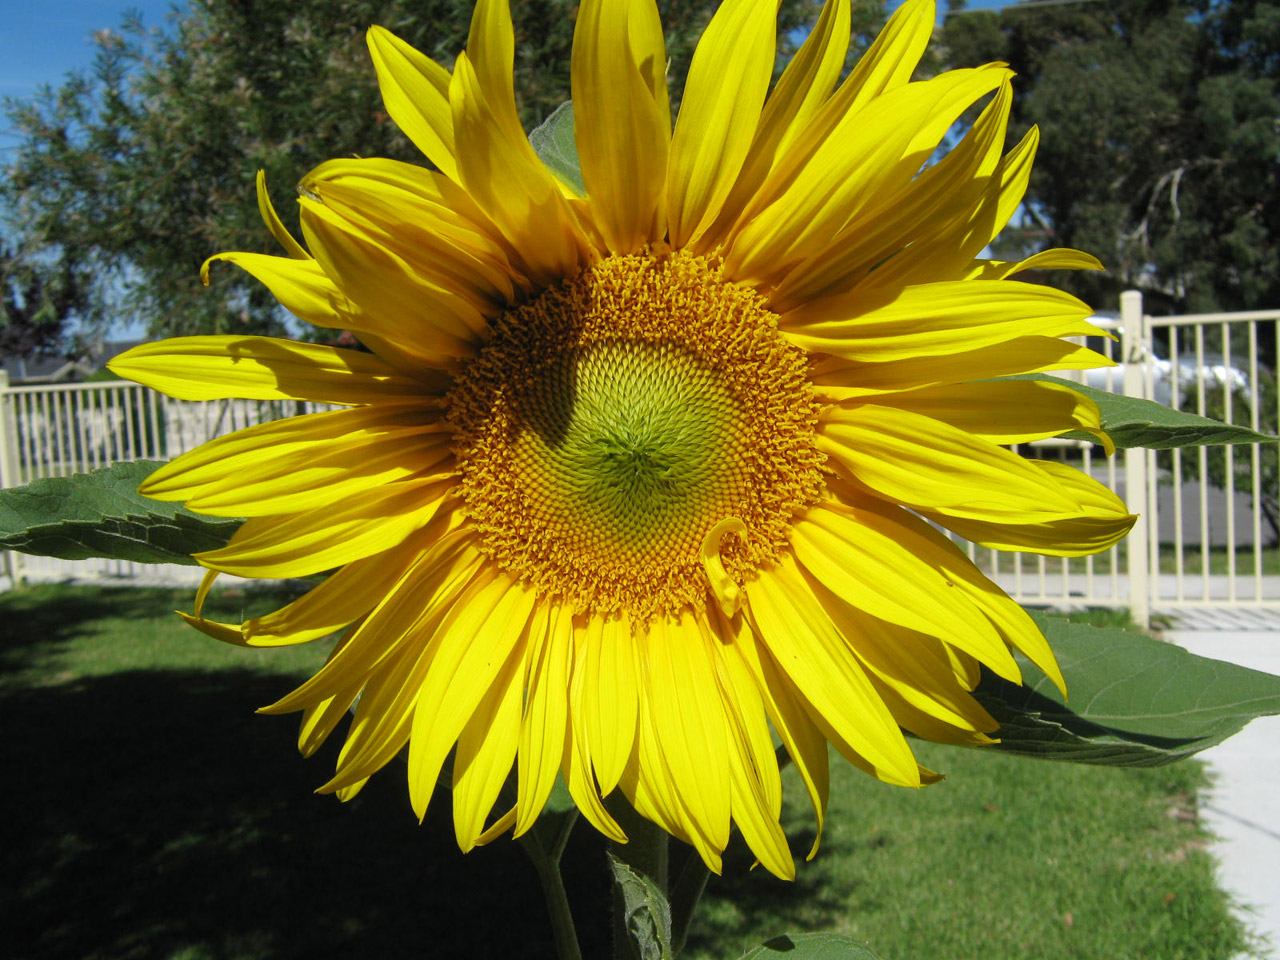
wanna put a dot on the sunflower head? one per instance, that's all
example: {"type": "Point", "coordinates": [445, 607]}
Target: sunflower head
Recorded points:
{"type": "Point", "coordinates": [610, 424]}
{"type": "Point", "coordinates": [631, 480]}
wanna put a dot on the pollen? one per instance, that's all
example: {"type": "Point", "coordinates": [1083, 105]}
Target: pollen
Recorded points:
{"type": "Point", "coordinates": [607, 426]}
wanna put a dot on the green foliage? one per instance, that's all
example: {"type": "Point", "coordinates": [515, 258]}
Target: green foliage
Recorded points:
{"type": "Point", "coordinates": [1134, 700]}
{"type": "Point", "coordinates": [101, 514]}
{"type": "Point", "coordinates": [1132, 422]}
{"type": "Point", "coordinates": [144, 166]}
{"type": "Point", "coordinates": [1159, 142]}
{"type": "Point", "coordinates": [35, 302]}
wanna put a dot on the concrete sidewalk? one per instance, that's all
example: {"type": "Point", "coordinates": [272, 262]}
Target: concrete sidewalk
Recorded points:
{"type": "Point", "coordinates": [1243, 809]}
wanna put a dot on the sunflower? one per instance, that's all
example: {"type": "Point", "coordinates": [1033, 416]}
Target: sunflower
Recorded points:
{"type": "Point", "coordinates": [636, 477]}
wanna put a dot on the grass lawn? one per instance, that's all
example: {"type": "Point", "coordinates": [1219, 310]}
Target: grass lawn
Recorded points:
{"type": "Point", "coordinates": [151, 814]}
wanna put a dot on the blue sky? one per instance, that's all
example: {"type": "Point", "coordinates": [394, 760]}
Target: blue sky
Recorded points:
{"type": "Point", "coordinates": [42, 40]}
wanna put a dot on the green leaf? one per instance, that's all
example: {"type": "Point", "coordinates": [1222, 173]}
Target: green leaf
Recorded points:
{"type": "Point", "coordinates": [1143, 423]}
{"type": "Point", "coordinates": [101, 514]}
{"type": "Point", "coordinates": [1133, 700]}
{"type": "Point", "coordinates": [646, 910]}
{"type": "Point", "coordinates": [554, 143]}
{"type": "Point", "coordinates": [811, 946]}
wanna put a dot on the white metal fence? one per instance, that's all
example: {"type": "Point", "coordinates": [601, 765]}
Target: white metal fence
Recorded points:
{"type": "Point", "coordinates": [54, 430]}
{"type": "Point", "coordinates": [1209, 517]}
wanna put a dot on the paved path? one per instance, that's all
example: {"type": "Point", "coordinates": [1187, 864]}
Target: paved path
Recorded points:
{"type": "Point", "coordinates": [1243, 809]}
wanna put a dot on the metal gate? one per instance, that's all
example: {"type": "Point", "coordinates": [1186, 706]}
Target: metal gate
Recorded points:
{"type": "Point", "coordinates": [1206, 538]}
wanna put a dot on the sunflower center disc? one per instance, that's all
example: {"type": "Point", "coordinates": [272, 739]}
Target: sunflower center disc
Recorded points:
{"type": "Point", "coordinates": [611, 423]}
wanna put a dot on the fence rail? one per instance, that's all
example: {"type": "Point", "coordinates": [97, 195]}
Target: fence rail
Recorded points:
{"type": "Point", "coordinates": [1209, 518]}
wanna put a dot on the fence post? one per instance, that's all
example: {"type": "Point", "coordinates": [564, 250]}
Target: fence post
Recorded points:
{"type": "Point", "coordinates": [12, 563]}
{"type": "Point", "coordinates": [1136, 349]}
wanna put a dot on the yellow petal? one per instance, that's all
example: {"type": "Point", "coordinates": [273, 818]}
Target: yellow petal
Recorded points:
{"type": "Point", "coordinates": [804, 743]}
{"type": "Point", "coordinates": [689, 721]}
{"type": "Point", "coordinates": [1057, 258]}
{"type": "Point", "coordinates": [876, 556]}
{"type": "Point", "coordinates": [924, 463]}
{"type": "Point", "coordinates": [892, 58]}
{"type": "Point", "coordinates": [576, 765]}
{"type": "Point", "coordinates": [303, 544]}
{"type": "Point", "coordinates": [958, 574]}
{"type": "Point", "coordinates": [756, 796]}
{"type": "Point", "coordinates": [339, 600]}
{"type": "Point", "coordinates": [610, 692]}
{"type": "Point", "coordinates": [724, 92]}
{"type": "Point", "coordinates": [413, 602]}
{"type": "Point", "coordinates": [415, 91]}
{"type": "Point", "coordinates": [422, 218]}
{"type": "Point", "coordinates": [274, 223]}
{"type": "Point", "coordinates": [933, 319]}
{"type": "Point", "coordinates": [301, 286]}
{"type": "Point", "coordinates": [947, 252]}
{"type": "Point", "coordinates": [298, 464]}
{"type": "Point", "coordinates": [887, 65]}
{"type": "Point", "coordinates": [469, 649]}
{"type": "Point", "coordinates": [873, 152]}
{"type": "Point", "coordinates": [432, 316]}
{"type": "Point", "coordinates": [545, 720]}
{"type": "Point", "coordinates": [1102, 521]}
{"type": "Point", "coordinates": [509, 183]}
{"type": "Point", "coordinates": [912, 666]}
{"type": "Point", "coordinates": [804, 85]}
{"type": "Point", "coordinates": [838, 378]}
{"type": "Point", "coordinates": [263, 368]}
{"type": "Point", "coordinates": [320, 720]}
{"type": "Point", "coordinates": [491, 50]}
{"type": "Point", "coordinates": [1007, 411]}
{"type": "Point", "coordinates": [383, 716]}
{"type": "Point", "coordinates": [892, 220]}
{"type": "Point", "coordinates": [487, 749]}
{"type": "Point", "coordinates": [622, 119]}
{"type": "Point", "coordinates": [791, 622]}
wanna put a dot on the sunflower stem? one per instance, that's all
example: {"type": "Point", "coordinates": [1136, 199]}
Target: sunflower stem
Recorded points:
{"type": "Point", "coordinates": [546, 861]}
{"type": "Point", "coordinates": [684, 898]}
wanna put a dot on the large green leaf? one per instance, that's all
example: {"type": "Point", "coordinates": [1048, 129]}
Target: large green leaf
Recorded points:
{"type": "Point", "coordinates": [811, 946]}
{"type": "Point", "coordinates": [101, 514]}
{"type": "Point", "coordinates": [1133, 700]}
{"type": "Point", "coordinates": [554, 142]}
{"type": "Point", "coordinates": [1143, 423]}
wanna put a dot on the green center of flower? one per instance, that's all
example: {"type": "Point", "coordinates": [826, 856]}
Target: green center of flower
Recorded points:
{"type": "Point", "coordinates": [610, 424]}
{"type": "Point", "coordinates": [629, 442]}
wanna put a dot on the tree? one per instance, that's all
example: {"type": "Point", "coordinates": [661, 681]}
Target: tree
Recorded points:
{"type": "Point", "coordinates": [1160, 150]}
{"type": "Point", "coordinates": [146, 164]}
{"type": "Point", "coordinates": [35, 303]}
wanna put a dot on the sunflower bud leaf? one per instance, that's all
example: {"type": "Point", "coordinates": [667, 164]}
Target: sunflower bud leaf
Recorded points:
{"type": "Point", "coordinates": [554, 143]}
{"type": "Point", "coordinates": [101, 514]}
{"type": "Point", "coordinates": [1134, 700]}
{"type": "Point", "coordinates": [646, 910]}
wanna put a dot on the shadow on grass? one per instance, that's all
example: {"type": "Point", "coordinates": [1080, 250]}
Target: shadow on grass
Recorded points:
{"type": "Point", "coordinates": [151, 814]}
{"type": "Point", "coordinates": [809, 903]}
{"type": "Point", "coordinates": [35, 629]}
